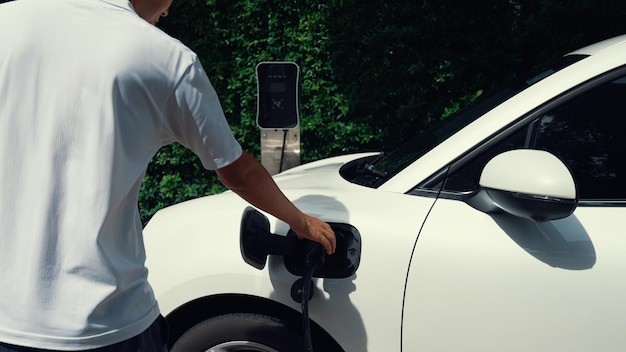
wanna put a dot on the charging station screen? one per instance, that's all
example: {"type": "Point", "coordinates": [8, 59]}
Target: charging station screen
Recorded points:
{"type": "Point", "coordinates": [277, 103]}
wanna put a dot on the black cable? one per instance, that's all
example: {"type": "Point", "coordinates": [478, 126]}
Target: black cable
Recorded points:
{"type": "Point", "coordinates": [306, 324]}
{"type": "Point", "coordinates": [315, 257]}
{"type": "Point", "coordinates": [282, 154]}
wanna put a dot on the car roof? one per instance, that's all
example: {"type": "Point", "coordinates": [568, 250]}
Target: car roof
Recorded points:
{"type": "Point", "coordinates": [600, 46]}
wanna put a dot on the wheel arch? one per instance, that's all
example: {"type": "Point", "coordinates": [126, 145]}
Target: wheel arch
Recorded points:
{"type": "Point", "coordinates": [191, 313]}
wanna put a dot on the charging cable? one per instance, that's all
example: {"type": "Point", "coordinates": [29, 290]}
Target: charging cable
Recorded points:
{"type": "Point", "coordinates": [315, 257]}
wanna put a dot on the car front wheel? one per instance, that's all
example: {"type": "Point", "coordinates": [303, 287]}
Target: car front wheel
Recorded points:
{"type": "Point", "coordinates": [240, 332]}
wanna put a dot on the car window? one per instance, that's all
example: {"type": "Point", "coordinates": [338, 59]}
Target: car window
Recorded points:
{"type": "Point", "coordinates": [389, 164]}
{"type": "Point", "coordinates": [582, 131]}
{"type": "Point", "coordinates": [584, 134]}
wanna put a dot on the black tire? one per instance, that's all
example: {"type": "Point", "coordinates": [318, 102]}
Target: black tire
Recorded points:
{"type": "Point", "coordinates": [241, 332]}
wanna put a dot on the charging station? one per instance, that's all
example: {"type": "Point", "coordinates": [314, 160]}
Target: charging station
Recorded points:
{"type": "Point", "coordinates": [278, 114]}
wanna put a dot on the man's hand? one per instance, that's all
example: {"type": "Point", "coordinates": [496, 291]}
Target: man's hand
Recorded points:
{"type": "Point", "coordinates": [317, 231]}
{"type": "Point", "coordinates": [249, 179]}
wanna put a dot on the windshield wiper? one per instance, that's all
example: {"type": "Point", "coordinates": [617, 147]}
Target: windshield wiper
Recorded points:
{"type": "Point", "coordinates": [368, 168]}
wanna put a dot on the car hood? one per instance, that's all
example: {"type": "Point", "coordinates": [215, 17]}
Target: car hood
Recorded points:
{"type": "Point", "coordinates": [321, 174]}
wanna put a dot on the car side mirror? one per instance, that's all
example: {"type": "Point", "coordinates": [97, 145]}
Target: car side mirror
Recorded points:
{"type": "Point", "coordinates": [257, 242]}
{"type": "Point", "coordinates": [527, 183]}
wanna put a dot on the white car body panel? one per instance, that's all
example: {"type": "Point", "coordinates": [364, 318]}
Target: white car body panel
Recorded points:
{"type": "Point", "coordinates": [490, 298]}
{"type": "Point", "coordinates": [473, 282]}
{"type": "Point", "coordinates": [195, 236]}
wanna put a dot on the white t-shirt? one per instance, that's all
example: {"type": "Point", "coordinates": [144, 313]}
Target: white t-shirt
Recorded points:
{"type": "Point", "coordinates": [89, 92]}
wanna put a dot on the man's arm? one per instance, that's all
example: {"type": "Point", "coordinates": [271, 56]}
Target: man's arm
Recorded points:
{"type": "Point", "coordinates": [249, 179]}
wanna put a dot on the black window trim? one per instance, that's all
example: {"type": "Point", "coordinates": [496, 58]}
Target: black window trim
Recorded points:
{"type": "Point", "coordinates": [428, 188]}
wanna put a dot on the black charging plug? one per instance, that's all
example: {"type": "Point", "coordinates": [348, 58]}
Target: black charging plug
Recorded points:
{"type": "Point", "coordinates": [315, 254]}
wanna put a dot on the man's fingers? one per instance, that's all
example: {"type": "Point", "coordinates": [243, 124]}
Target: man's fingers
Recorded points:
{"type": "Point", "coordinates": [322, 233]}
{"type": "Point", "coordinates": [328, 240]}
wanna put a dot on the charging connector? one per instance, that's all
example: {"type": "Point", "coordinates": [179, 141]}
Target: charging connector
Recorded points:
{"type": "Point", "coordinates": [304, 258]}
{"type": "Point", "coordinates": [315, 257]}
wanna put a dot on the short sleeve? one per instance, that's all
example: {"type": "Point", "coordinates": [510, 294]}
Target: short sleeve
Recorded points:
{"type": "Point", "coordinates": [195, 119]}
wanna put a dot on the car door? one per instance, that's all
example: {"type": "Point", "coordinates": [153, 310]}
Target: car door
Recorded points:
{"type": "Point", "coordinates": [495, 282]}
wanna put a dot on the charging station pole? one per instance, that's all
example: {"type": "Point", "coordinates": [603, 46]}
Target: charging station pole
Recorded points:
{"type": "Point", "coordinates": [278, 115]}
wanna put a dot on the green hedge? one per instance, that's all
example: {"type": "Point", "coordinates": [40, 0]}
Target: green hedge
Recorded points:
{"type": "Point", "coordinates": [372, 72]}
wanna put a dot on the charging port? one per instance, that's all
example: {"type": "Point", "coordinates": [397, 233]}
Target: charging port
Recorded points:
{"type": "Point", "coordinates": [257, 243]}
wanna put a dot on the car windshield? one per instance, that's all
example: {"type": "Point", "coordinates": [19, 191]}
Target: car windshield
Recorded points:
{"type": "Point", "coordinates": [374, 171]}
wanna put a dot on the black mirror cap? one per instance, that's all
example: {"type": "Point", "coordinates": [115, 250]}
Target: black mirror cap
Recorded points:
{"type": "Point", "coordinates": [533, 207]}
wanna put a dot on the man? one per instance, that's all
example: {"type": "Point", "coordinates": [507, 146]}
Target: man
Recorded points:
{"type": "Point", "coordinates": [89, 91]}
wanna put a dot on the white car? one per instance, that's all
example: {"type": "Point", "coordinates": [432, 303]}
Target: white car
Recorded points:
{"type": "Point", "coordinates": [503, 229]}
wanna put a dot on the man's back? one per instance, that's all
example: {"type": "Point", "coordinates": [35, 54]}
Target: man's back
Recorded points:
{"type": "Point", "coordinates": [84, 85]}
{"type": "Point", "coordinates": [89, 91]}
